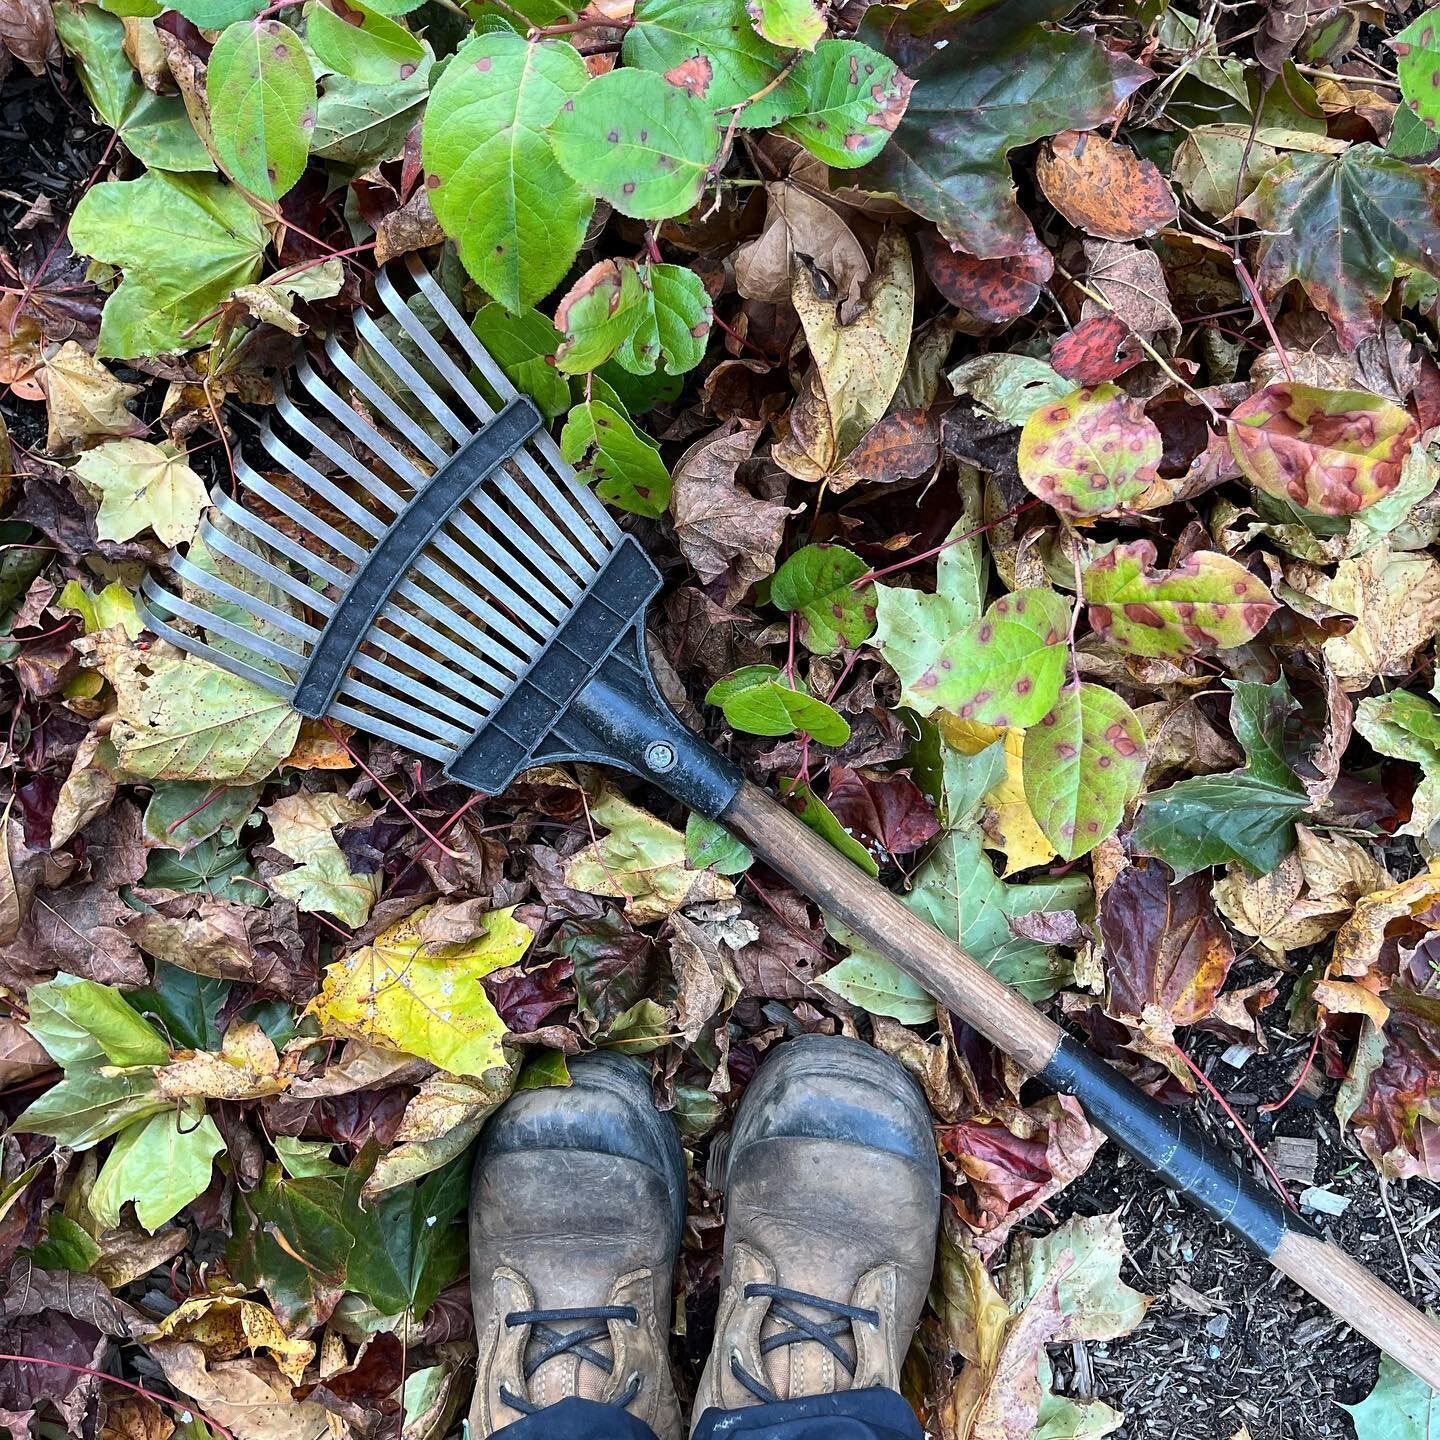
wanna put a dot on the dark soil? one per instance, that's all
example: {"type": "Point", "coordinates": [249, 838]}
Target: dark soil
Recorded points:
{"type": "Point", "coordinates": [1228, 1341]}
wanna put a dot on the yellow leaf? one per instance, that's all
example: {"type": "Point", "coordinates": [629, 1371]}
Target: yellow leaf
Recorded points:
{"type": "Point", "coordinates": [1010, 825]}
{"type": "Point", "coordinates": [140, 486]}
{"type": "Point", "coordinates": [225, 1326]}
{"type": "Point", "coordinates": [425, 1000]}
{"type": "Point", "coordinates": [84, 400]}
{"type": "Point", "coordinates": [322, 879]}
{"type": "Point", "coordinates": [246, 1068]}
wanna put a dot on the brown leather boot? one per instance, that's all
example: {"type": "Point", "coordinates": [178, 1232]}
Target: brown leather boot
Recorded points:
{"type": "Point", "coordinates": [832, 1199]}
{"type": "Point", "coordinates": [578, 1201]}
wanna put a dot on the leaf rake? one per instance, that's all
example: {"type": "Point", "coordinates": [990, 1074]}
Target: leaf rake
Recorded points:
{"type": "Point", "coordinates": [430, 570]}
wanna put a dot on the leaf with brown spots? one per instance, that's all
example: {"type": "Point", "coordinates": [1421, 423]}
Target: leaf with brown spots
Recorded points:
{"type": "Point", "coordinates": [1329, 451]}
{"type": "Point", "coordinates": [848, 101]}
{"type": "Point", "coordinates": [1098, 349]}
{"type": "Point", "coordinates": [1091, 453]}
{"type": "Point", "coordinates": [992, 291]}
{"type": "Point", "coordinates": [1167, 954]}
{"type": "Point", "coordinates": [1082, 765]}
{"type": "Point", "coordinates": [1103, 188]}
{"type": "Point", "coordinates": [1005, 668]}
{"type": "Point", "coordinates": [1207, 602]}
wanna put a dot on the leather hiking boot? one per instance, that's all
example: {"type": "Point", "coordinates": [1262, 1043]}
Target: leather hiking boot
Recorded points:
{"type": "Point", "coordinates": [577, 1205]}
{"type": "Point", "coordinates": [832, 1199]}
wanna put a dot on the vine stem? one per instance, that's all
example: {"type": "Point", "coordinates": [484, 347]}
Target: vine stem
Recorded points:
{"type": "Point", "coordinates": [1239, 1124]}
{"type": "Point", "coordinates": [578, 27]}
{"type": "Point", "coordinates": [176, 1405]}
{"type": "Point", "coordinates": [944, 545]}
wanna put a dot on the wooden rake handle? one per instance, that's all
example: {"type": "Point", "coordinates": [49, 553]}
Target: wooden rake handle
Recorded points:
{"type": "Point", "coordinates": [1155, 1134]}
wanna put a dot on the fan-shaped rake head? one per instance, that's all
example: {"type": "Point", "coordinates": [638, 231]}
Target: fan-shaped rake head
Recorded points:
{"type": "Point", "coordinates": [417, 559]}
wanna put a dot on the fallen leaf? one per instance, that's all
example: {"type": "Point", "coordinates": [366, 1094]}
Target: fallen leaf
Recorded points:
{"type": "Point", "coordinates": [251, 1398]}
{"type": "Point", "coordinates": [301, 826]}
{"type": "Point", "coordinates": [84, 401]}
{"type": "Point", "coordinates": [798, 223]}
{"type": "Point", "coordinates": [228, 1325]}
{"type": "Point", "coordinates": [1104, 188]}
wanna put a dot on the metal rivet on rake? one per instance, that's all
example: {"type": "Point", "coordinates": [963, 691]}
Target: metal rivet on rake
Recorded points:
{"type": "Point", "coordinates": [660, 756]}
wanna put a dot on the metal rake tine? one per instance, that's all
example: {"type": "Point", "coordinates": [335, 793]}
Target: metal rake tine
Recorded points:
{"type": "Point", "coordinates": [379, 399]}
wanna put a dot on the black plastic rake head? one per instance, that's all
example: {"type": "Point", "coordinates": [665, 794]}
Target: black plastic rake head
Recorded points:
{"type": "Point", "coordinates": [418, 560]}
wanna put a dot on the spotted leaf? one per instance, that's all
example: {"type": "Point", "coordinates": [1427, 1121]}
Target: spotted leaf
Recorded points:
{"type": "Point", "coordinates": [1330, 451]}
{"type": "Point", "coordinates": [1005, 668]}
{"type": "Point", "coordinates": [599, 313]}
{"type": "Point", "coordinates": [1091, 453]}
{"type": "Point", "coordinates": [849, 100]}
{"type": "Point", "coordinates": [633, 139]}
{"type": "Point", "coordinates": [1418, 70]}
{"type": "Point", "coordinates": [355, 39]}
{"type": "Point", "coordinates": [261, 92]}
{"type": "Point", "coordinates": [493, 180]}
{"type": "Point", "coordinates": [818, 582]}
{"type": "Point", "coordinates": [621, 462]}
{"type": "Point", "coordinates": [1207, 602]}
{"type": "Point", "coordinates": [1082, 764]}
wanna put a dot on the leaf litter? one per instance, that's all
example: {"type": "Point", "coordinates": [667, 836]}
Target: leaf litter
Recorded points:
{"type": "Point", "coordinates": [1048, 509]}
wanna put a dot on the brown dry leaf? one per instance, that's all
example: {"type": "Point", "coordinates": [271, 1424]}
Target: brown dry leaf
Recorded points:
{"type": "Point", "coordinates": [705, 979]}
{"type": "Point", "coordinates": [412, 227]}
{"type": "Point", "coordinates": [1104, 188]}
{"type": "Point", "coordinates": [27, 31]}
{"type": "Point", "coordinates": [1132, 282]}
{"type": "Point", "coordinates": [724, 531]}
{"type": "Point", "coordinates": [227, 1325]}
{"type": "Point", "coordinates": [21, 1054]}
{"type": "Point", "coordinates": [87, 792]}
{"type": "Point", "coordinates": [84, 401]}
{"type": "Point", "coordinates": [1179, 736]}
{"type": "Point", "coordinates": [250, 1397]}
{"type": "Point", "coordinates": [135, 1417]}
{"type": "Point", "coordinates": [246, 1067]}
{"type": "Point", "coordinates": [854, 369]}
{"type": "Point", "coordinates": [798, 223]}
{"type": "Point", "coordinates": [1275, 907]}
{"type": "Point", "coordinates": [903, 445]}
{"type": "Point", "coordinates": [321, 746]}
{"type": "Point", "coordinates": [1394, 596]}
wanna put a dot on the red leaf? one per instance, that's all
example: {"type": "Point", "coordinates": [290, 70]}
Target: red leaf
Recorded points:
{"type": "Point", "coordinates": [1096, 349]}
{"type": "Point", "coordinates": [888, 814]}
{"type": "Point", "coordinates": [994, 291]}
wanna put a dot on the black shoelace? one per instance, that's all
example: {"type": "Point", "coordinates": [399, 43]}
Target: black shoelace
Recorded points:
{"type": "Point", "coordinates": [802, 1330]}
{"type": "Point", "coordinates": [552, 1343]}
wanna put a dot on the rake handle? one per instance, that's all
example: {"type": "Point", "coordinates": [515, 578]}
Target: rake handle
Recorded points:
{"type": "Point", "coordinates": [1154, 1134]}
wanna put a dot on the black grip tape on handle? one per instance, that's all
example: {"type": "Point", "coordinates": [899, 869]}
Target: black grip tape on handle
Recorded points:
{"type": "Point", "coordinates": [1162, 1140]}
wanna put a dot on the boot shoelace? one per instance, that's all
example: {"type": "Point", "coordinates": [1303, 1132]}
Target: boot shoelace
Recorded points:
{"type": "Point", "coordinates": [553, 1343]}
{"type": "Point", "coordinates": [802, 1330]}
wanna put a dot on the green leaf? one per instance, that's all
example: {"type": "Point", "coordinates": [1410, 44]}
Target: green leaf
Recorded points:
{"type": "Point", "coordinates": [1213, 819]}
{"type": "Point", "coordinates": [407, 1245]}
{"type": "Point", "coordinates": [114, 605]}
{"type": "Point", "coordinates": [1014, 79]}
{"type": "Point", "coordinates": [86, 1107]}
{"type": "Point", "coordinates": [598, 314]}
{"type": "Point", "coordinates": [142, 486]}
{"type": "Point", "coordinates": [184, 243]}
{"type": "Point", "coordinates": [1400, 1407]}
{"type": "Point", "coordinates": [154, 128]}
{"type": "Point", "coordinates": [879, 986]}
{"type": "Point", "coordinates": [622, 464]}
{"type": "Point", "coordinates": [1005, 668]}
{"type": "Point", "coordinates": [636, 141]}
{"type": "Point", "coordinates": [185, 719]}
{"type": "Point", "coordinates": [365, 44]}
{"type": "Point", "coordinates": [756, 700]}
{"type": "Point", "coordinates": [301, 828]}
{"type": "Point", "coordinates": [182, 813]}
{"type": "Point", "coordinates": [216, 14]}
{"type": "Point", "coordinates": [826, 824]}
{"type": "Point", "coordinates": [1208, 602]}
{"type": "Point", "coordinates": [403, 994]}
{"type": "Point", "coordinates": [1093, 452]}
{"type": "Point", "coordinates": [186, 1004]}
{"type": "Point", "coordinates": [710, 846]}
{"type": "Point", "coordinates": [818, 582]}
{"type": "Point", "coordinates": [210, 868]}
{"type": "Point", "coordinates": [709, 49]}
{"type": "Point", "coordinates": [851, 100]}
{"type": "Point", "coordinates": [161, 1164]}
{"type": "Point", "coordinates": [674, 323]}
{"type": "Point", "coordinates": [1417, 47]}
{"type": "Point", "coordinates": [1343, 225]}
{"type": "Point", "coordinates": [1009, 387]}
{"type": "Point", "coordinates": [522, 343]}
{"type": "Point", "coordinates": [262, 105]}
{"type": "Point", "coordinates": [66, 1246]}
{"type": "Point", "coordinates": [1083, 764]}
{"type": "Point", "coordinates": [360, 125]}
{"type": "Point", "coordinates": [912, 627]}
{"type": "Point", "coordinates": [494, 180]}
{"type": "Point", "coordinates": [791, 24]}
{"type": "Point", "coordinates": [301, 1275]}
{"type": "Point", "coordinates": [1332, 452]}
{"type": "Point", "coordinates": [80, 1023]}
